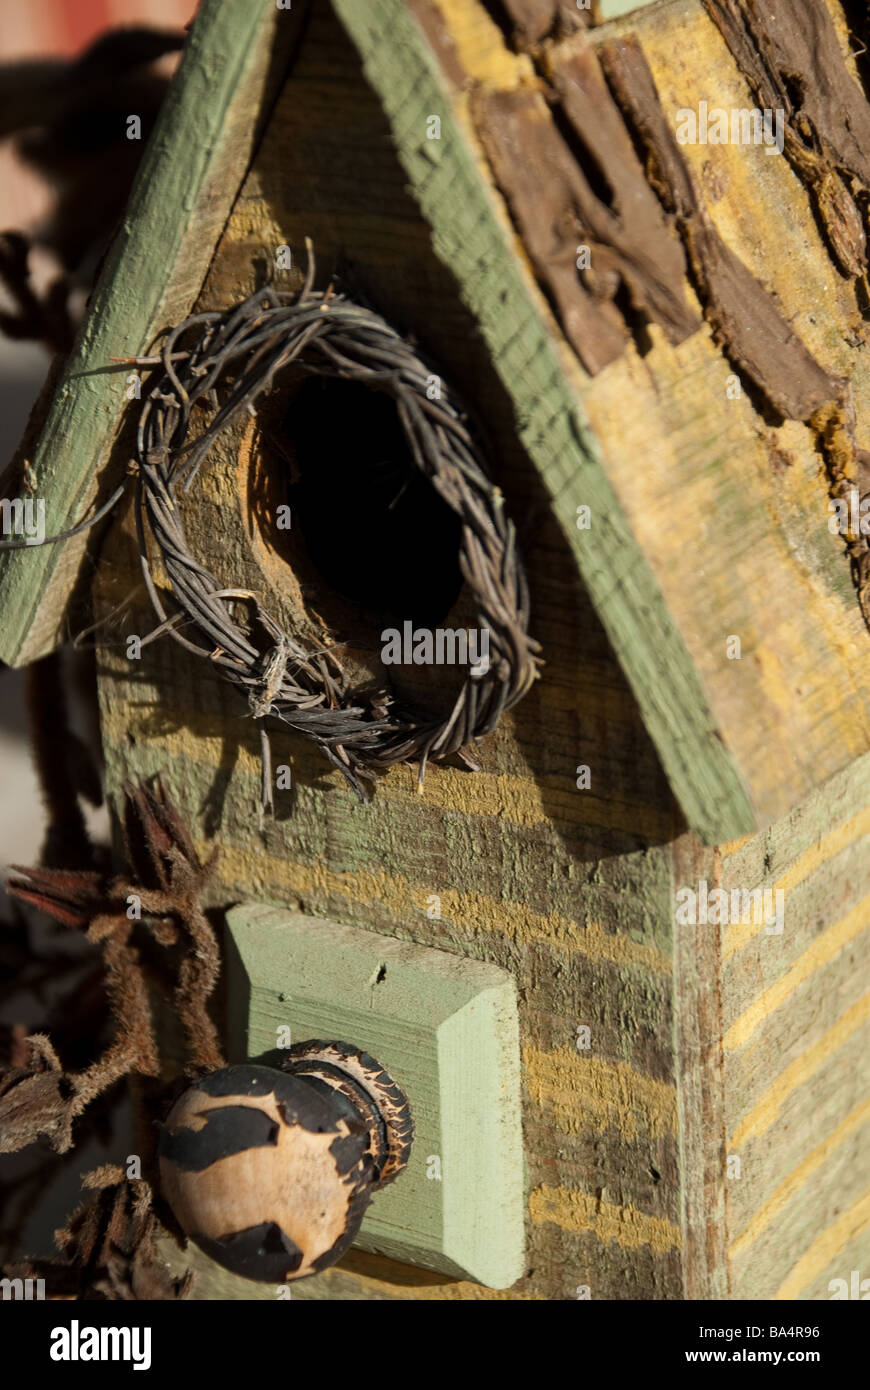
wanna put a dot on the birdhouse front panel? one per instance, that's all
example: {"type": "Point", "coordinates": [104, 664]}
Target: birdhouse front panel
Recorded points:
{"type": "Point", "coordinates": [481, 606]}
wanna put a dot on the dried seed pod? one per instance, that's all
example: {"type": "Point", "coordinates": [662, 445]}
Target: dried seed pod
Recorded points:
{"type": "Point", "coordinates": [270, 1171]}
{"type": "Point", "coordinates": [373, 1093]}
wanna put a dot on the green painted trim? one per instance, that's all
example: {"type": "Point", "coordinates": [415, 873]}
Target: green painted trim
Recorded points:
{"type": "Point", "coordinates": [446, 1028]}
{"type": "Point", "coordinates": [470, 238]}
{"type": "Point", "coordinates": [189, 176]}
{"type": "Point", "coordinates": [614, 9]}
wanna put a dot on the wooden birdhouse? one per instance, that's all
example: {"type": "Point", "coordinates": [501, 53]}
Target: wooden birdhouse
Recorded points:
{"type": "Point", "coordinates": [573, 358]}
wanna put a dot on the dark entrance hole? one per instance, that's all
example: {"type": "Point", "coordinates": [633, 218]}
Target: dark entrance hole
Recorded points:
{"type": "Point", "coordinates": [374, 527]}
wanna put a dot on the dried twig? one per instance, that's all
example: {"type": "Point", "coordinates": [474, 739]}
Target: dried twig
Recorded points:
{"type": "Point", "coordinates": [108, 1249]}
{"type": "Point", "coordinates": [40, 1098]}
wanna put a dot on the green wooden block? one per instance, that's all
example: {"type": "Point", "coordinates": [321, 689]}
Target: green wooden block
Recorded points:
{"type": "Point", "coordinates": [446, 1029]}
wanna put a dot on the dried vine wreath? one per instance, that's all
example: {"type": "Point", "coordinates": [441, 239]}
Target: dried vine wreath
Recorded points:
{"type": "Point", "coordinates": [237, 354]}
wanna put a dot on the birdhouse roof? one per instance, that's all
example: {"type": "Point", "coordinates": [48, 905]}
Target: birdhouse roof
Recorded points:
{"type": "Point", "coordinates": [705, 548]}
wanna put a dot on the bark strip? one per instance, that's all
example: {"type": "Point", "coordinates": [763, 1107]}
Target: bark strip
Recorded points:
{"type": "Point", "coordinates": [584, 187]}
{"type": "Point", "coordinates": [790, 56]}
{"type": "Point", "coordinates": [744, 317]}
{"type": "Point", "coordinates": [536, 20]}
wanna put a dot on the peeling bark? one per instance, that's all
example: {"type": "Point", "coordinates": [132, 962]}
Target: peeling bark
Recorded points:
{"type": "Point", "coordinates": [791, 58]}
{"type": "Point", "coordinates": [743, 315]}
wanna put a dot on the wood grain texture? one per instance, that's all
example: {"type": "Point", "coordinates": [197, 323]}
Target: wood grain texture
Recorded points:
{"type": "Point", "coordinates": [745, 319]}
{"type": "Point", "coordinates": [827, 120]}
{"type": "Point", "coordinates": [773, 1034]}
{"type": "Point", "coordinates": [697, 1020]}
{"type": "Point", "coordinates": [746, 498]}
{"type": "Point", "coordinates": [795, 1035]}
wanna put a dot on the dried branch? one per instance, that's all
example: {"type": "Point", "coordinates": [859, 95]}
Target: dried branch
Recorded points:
{"type": "Point", "coordinates": [40, 1098]}
{"type": "Point", "coordinates": [108, 1247]}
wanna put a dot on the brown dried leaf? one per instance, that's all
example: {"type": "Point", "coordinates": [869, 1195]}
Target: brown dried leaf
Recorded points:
{"type": "Point", "coordinates": [108, 1246]}
{"type": "Point", "coordinates": [35, 1101]}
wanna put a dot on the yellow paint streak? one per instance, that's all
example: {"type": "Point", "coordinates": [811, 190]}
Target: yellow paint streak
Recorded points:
{"type": "Point", "coordinates": [528, 801]}
{"type": "Point", "coordinates": [739, 934]}
{"type": "Point", "coordinates": [579, 1212]}
{"type": "Point", "coordinates": [800, 1175]}
{"type": "Point", "coordinates": [776, 677]}
{"type": "Point", "coordinates": [826, 1247]}
{"type": "Point", "coordinates": [581, 1091]}
{"type": "Point", "coordinates": [481, 49]}
{"type": "Point", "coordinates": [823, 950]}
{"type": "Point", "coordinates": [769, 1107]}
{"type": "Point", "coordinates": [524, 801]}
{"type": "Point", "coordinates": [474, 912]}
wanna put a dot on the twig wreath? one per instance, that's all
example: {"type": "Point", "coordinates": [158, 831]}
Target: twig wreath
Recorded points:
{"type": "Point", "coordinates": [231, 359]}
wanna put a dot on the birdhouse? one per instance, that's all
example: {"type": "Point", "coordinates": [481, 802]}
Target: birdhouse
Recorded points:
{"type": "Point", "coordinates": [505, 633]}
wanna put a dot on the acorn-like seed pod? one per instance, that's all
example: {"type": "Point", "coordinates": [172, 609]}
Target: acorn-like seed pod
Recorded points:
{"type": "Point", "coordinates": [270, 1171]}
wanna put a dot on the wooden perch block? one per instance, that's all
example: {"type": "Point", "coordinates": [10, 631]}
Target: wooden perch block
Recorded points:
{"type": "Point", "coordinates": [446, 1029]}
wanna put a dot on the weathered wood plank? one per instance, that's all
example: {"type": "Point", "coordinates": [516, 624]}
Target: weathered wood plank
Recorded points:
{"type": "Point", "coordinates": [794, 1026]}
{"type": "Point", "coordinates": [756, 558]}
{"type": "Point", "coordinates": [701, 1087]}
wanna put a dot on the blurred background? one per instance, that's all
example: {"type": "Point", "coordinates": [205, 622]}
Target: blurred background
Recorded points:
{"type": "Point", "coordinates": [71, 71]}
{"type": "Point", "coordinates": [47, 195]}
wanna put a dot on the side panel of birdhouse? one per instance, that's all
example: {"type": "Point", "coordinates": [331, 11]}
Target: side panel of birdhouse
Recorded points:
{"type": "Point", "coordinates": [772, 1016]}
{"type": "Point", "coordinates": [552, 861]}
{"type": "Point", "coordinates": [795, 1025]}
